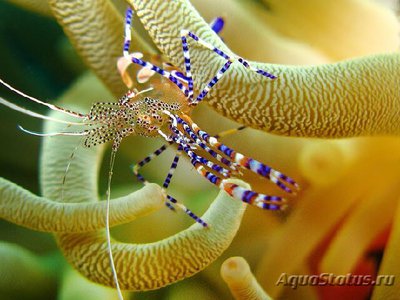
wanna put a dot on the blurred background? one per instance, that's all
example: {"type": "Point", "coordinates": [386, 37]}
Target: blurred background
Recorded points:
{"type": "Point", "coordinates": [38, 59]}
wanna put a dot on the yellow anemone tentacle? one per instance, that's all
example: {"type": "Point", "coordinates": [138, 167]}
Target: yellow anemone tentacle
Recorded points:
{"type": "Point", "coordinates": [355, 97]}
{"type": "Point", "coordinates": [139, 266]}
{"type": "Point", "coordinates": [243, 285]}
{"type": "Point", "coordinates": [95, 28]}
{"type": "Point", "coordinates": [21, 207]}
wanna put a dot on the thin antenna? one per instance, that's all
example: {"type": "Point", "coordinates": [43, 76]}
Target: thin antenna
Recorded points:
{"type": "Point", "coordinates": [108, 235]}
{"type": "Point", "coordinates": [53, 133]}
{"type": "Point", "coordinates": [51, 106]}
{"type": "Point", "coordinates": [67, 168]}
{"type": "Point", "coordinates": [145, 91]}
{"type": "Point", "coordinates": [35, 114]}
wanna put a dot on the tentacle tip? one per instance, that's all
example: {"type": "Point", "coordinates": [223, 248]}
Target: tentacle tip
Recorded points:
{"type": "Point", "coordinates": [234, 269]}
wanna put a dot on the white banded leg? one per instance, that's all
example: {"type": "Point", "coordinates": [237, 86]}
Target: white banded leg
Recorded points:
{"type": "Point", "coordinates": [214, 80]}
{"type": "Point", "coordinates": [146, 160]}
{"type": "Point", "coordinates": [171, 200]}
{"type": "Point", "coordinates": [221, 53]}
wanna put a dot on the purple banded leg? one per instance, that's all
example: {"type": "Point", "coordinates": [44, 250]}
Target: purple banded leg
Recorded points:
{"type": "Point", "coordinates": [187, 211]}
{"type": "Point", "coordinates": [146, 160]}
{"type": "Point", "coordinates": [172, 169]}
{"type": "Point", "coordinates": [246, 162]}
{"type": "Point", "coordinates": [128, 33]}
{"type": "Point", "coordinates": [212, 82]}
{"type": "Point", "coordinates": [205, 162]}
{"type": "Point", "coordinates": [246, 64]}
{"type": "Point", "coordinates": [216, 26]}
{"type": "Point", "coordinates": [172, 200]}
{"type": "Point", "coordinates": [265, 171]}
{"type": "Point", "coordinates": [199, 142]}
{"type": "Point", "coordinates": [257, 167]}
{"type": "Point", "coordinates": [224, 55]}
{"type": "Point", "coordinates": [239, 193]}
{"type": "Point", "coordinates": [260, 200]}
{"type": "Point", "coordinates": [186, 57]}
{"type": "Point", "coordinates": [195, 139]}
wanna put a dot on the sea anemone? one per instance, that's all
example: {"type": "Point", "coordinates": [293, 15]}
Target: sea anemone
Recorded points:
{"type": "Point", "coordinates": [332, 83]}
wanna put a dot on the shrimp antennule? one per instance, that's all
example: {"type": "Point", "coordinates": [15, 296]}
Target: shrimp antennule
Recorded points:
{"type": "Point", "coordinates": [51, 106]}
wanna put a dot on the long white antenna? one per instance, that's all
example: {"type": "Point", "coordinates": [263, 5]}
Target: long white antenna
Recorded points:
{"type": "Point", "coordinates": [35, 114]}
{"type": "Point", "coordinates": [108, 235]}
{"type": "Point", "coordinates": [51, 106]}
{"type": "Point", "coordinates": [53, 133]}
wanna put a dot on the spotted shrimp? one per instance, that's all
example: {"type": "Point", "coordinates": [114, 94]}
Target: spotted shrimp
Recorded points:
{"type": "Point", "coordinates": [164, 110]}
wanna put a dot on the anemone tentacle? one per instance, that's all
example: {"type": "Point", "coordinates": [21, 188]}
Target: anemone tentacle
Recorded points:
{"type": "Point", "coordinates": [355, 97]}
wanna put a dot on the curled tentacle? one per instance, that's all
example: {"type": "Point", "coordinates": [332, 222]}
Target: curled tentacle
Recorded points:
{"type": "Point", "coordinates": [154, 265]}
{"type": "Point", "coordinates": [99, 48]}
{"type": "Point", "coordinates": [166, 261]}
{"type": "Point", "coordinates": [334, 100]}
{"type": "Point", "coordinates": [241, 281]}
{"type": "Point", "coordinates": [21, 207]}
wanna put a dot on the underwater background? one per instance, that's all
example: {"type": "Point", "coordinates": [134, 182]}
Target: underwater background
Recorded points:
{"type": "Point", "coordinates": [317, 233]}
